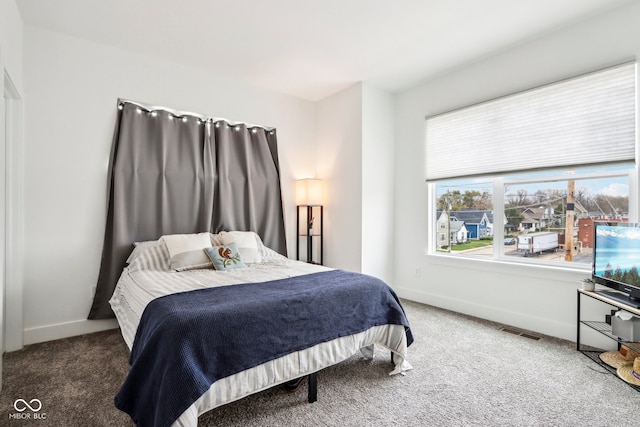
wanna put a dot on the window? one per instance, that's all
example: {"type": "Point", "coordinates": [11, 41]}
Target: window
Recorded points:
{"type": "Point", "coordinates": [532, 214]}
{"type": "Point", "coordinates": [538, 169]}
{"type": "Point", "coordinates": [464, 216]}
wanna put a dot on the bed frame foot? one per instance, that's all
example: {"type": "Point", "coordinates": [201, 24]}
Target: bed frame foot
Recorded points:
{"type": "Point", "coordinates": [313, 387]}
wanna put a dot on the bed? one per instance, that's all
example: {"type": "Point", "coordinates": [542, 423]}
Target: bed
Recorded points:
{"type": "Point", "coordinates": [202, 337]}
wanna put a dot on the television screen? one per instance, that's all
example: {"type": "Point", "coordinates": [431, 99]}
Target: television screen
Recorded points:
{"type": "Point", "coordinates": [616, 257]}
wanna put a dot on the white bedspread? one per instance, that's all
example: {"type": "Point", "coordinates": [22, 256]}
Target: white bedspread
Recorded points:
{"type": "Point", "coordinates": [148, 277]}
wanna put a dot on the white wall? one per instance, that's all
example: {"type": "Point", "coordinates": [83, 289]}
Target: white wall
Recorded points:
{"type": "Point", "coordinates": [377, 183]}
{"type": "Point", "coordinates": [527, 297]}
{"type": "Point", "coordinates": [11, 40]}
{"type": "Point", "coordinates": [11, 81]}
{"type": "Point", "coordinates": [355, 158]}
{"type": "Point", "coordinates": [71, 89]}
{"type": "Point", "coordinates": [339, 163]}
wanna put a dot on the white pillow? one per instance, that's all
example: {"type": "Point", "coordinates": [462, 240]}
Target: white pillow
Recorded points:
{"type": "Point", "coordinates": [140, 247]}
{"type": "Point", "coordinates": [152, 255]}
{"type": "Point", "coordinates": [186, 250]}
{"type": "Point", "coordinates": [247, 243]}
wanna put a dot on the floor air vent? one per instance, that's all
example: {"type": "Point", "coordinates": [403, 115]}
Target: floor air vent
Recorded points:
{"type": "Point", "coordinates": [520, 333]}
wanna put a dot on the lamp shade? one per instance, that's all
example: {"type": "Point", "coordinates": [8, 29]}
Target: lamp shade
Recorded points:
{"type": "Point", "coordinates": [309, 192]}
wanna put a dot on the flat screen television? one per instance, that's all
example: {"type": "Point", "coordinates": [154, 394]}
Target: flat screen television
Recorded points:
{"type": "Point", "coordinates": [616, 261]}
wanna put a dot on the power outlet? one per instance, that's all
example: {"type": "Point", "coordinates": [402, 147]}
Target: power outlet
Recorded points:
{"type": "Point", "coordinates": [417, 272]}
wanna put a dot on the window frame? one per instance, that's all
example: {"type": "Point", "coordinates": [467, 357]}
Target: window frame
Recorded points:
{"type": "Point", "coordinates": [498, 185]}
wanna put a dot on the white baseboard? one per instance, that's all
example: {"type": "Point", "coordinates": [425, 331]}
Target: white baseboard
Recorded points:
{"type": "Point", "coordinates": [66, 330]}
{"type": "Point", "coordinates": [566, 331]}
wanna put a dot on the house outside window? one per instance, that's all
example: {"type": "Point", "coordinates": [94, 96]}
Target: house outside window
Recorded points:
{"type": "Point", "coordinates": [534, 204]}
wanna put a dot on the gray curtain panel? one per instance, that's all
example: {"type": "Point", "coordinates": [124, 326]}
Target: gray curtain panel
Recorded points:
{"type": "Point", "coordinates": [247, 184]}
{"type": "Point", "coordinates": [173, 173]}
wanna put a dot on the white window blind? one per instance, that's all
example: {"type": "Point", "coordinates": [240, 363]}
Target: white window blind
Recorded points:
{"type": "Point", "coordinates": [585, 120]}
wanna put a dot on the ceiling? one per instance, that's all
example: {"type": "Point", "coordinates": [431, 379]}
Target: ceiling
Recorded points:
{"type": "Point", "coordinates": [313, 48]}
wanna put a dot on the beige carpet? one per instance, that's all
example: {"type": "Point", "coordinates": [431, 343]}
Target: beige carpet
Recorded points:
{"type": "Point", "coordinates": [467, 373]}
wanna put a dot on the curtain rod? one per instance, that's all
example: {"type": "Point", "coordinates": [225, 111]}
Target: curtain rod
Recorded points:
{"type": "Point", "coordinates": [202, 117]}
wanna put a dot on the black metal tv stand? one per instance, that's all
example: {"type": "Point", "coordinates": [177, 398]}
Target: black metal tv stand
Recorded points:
{"type": "Point", "coordinates": [605, 329]}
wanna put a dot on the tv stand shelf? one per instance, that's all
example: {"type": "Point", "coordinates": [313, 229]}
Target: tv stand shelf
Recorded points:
{"type": "Point", "coordinates": [619, 297]}
{"type": "Point", "coordinates": [605, 329]}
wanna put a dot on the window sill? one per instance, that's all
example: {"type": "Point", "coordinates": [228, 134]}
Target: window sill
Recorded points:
{"type": "Point", "coordinates": [536, 268]}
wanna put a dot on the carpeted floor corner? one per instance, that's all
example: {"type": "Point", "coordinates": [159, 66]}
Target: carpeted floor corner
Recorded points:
{"type": "Point", "coordinates": [75, 379]}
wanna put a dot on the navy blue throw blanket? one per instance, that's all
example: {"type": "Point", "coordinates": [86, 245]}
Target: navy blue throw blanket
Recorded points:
{"type": "Point", "coordinates": [187, 341]}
